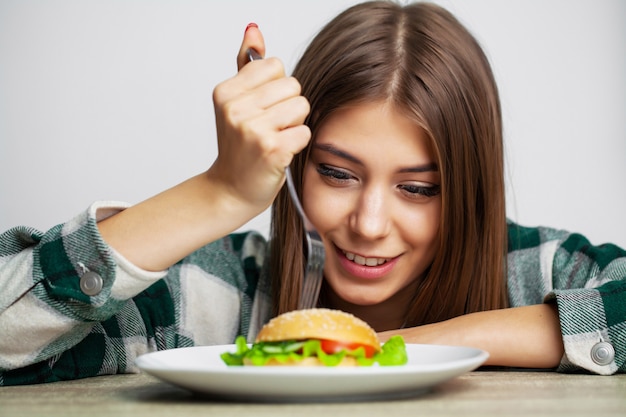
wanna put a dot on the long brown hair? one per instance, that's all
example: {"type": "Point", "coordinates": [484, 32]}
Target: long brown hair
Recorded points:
{"type": "Point", "coordinates": [421, 59]}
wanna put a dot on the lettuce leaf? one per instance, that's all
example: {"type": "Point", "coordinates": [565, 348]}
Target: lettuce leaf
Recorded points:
{"type": "Point", "coordinates": [392, 353]}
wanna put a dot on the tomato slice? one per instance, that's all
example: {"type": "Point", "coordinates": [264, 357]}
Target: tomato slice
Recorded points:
{"type": "Point", "coordinates": [333, 346]}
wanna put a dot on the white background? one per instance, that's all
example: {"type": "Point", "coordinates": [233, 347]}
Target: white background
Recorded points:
{"type": "Point", "coordinates": [111, 100]}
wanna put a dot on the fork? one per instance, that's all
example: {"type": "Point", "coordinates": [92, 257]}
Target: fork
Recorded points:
{"type": "Point", "coordinates": [316, 255]}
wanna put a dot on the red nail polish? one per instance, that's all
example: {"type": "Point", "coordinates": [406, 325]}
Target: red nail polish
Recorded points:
{"type": "Point", "coordinates": [251, 25]}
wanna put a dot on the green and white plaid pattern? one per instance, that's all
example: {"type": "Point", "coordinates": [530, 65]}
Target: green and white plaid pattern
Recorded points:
{"type": "Point", "coordinates": [587, 282]}
{"type": "Point", "coordinates": [50, 330]}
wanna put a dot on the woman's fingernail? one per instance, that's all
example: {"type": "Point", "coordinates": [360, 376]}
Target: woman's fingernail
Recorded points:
{"type": "Point", "coordinates": [251, 25]}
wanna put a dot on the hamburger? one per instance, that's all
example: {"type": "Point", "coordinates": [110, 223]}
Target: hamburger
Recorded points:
{"type": "Point", "coordinates": [317, 337]}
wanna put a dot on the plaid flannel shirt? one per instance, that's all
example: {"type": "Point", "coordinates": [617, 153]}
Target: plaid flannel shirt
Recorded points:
{"type": "Point", "coordinates": [51, 330]}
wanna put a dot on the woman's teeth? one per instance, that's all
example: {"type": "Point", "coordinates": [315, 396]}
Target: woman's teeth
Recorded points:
{"type": "Point", "coordinates": [364, 261]}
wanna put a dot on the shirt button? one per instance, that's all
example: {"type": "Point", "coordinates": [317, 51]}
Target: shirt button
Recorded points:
{"type": "Point", "coordinates": [91, 283]}
{"type": "Point", "coordinates": [602, 353]}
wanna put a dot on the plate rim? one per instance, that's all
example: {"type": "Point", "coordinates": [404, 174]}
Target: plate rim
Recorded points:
{"type": "Point", "coordinates": [237, 383]}
{"type": "Point", "coordinates": [143, 362]}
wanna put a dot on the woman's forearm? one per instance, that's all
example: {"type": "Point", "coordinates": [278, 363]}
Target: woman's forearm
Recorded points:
{"type": "Point", "coordinates": [527, 337]}
{"type": "Point", "coordinates": [160, 231]}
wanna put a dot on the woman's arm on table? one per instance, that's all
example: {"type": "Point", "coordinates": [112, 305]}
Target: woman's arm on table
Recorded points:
{"type": "Point", "coordinates": [526, 337]}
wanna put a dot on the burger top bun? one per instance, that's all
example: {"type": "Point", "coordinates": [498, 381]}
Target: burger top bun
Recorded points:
{"type": "Point", "coordinates": [319, 323]}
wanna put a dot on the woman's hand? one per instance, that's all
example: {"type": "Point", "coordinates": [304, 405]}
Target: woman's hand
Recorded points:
{"type": "Point", "coordinates": [526, 337]}
{"type": "Point", "coordinates": [259, 115]}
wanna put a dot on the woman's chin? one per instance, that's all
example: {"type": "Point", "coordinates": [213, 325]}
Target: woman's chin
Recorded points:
{"type": "Point", "coordinates": [359, 297]}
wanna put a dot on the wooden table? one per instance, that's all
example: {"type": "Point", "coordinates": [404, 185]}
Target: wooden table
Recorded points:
{"type": "Point", "coordinates": [481, 393]}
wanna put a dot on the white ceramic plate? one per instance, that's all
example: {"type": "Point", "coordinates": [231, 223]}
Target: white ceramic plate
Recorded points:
{"type": "Point", "coordinates": [200, 369]}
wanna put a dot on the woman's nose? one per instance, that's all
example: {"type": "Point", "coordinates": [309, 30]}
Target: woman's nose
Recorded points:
{"type": "Point", "coordinates": [370, 217]}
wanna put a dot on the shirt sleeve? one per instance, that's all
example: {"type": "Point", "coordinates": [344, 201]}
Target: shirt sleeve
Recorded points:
{"type": "Point", "coordinates": [588, 285]}
{"type": "Point", "coordinates": [59, 286]}
{"type": "Point", "coordinates": [589, 288]}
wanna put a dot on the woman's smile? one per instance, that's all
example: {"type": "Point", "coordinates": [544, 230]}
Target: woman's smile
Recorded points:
{"type": "Point", "coordinates": [365, 267]}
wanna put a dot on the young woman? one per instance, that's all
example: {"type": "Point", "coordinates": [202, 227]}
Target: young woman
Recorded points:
{"type": "Point", "coordinates": [392, 127]}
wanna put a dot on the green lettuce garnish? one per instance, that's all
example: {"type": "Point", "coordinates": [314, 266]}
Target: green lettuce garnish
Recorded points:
{"type": "Point", "coordinates": [392, 353]}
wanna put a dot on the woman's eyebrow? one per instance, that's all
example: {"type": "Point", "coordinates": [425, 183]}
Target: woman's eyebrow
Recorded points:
{"type": "Point", "coordinates": [337, 152]}
{"type": "Point", "coordinates": [430, 167]}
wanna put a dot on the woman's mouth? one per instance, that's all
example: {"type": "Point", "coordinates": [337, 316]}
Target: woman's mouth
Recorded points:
{"type": "Point", "coordinates": [358, 259]}
{"type": "Point", "coordinates": [365, 267]}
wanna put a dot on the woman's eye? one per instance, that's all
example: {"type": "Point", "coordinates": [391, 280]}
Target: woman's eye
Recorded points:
{"type": "Point", "coordinates": [334, 174]}
{"type": "Point", "coordinates": [418, 191]}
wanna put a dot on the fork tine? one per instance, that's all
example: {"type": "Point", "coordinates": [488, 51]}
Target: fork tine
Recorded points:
{"type": "Point", "coordinates": [312, 285]}
{"type": "Point", "coordinates": [314, 270]}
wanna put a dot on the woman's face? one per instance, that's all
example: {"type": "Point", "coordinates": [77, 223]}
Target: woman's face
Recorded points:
{"type": "Point", "coordinates": [372, 189]}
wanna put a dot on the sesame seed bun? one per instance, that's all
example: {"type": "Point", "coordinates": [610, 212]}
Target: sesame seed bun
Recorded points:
{"type": "Point", "coordinates": [319, 323]}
